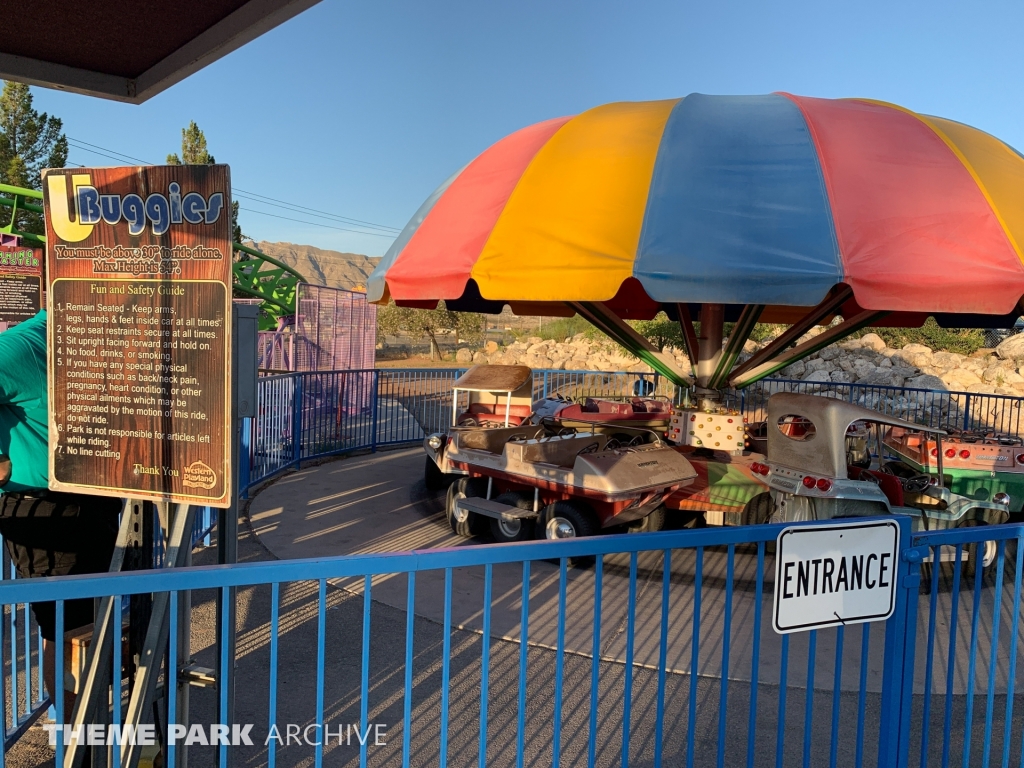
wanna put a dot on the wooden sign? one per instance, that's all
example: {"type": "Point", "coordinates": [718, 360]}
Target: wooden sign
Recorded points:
{"type": "Point", "coordinates": [21, 278]}
{"type": "Point", "coordinates": [139, 323]}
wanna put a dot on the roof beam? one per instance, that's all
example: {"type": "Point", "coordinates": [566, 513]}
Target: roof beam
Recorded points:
{"type": "Point", "coordinates": [230, 33]}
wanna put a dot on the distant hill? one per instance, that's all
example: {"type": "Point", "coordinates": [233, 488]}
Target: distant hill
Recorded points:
{"type": "Point", "coordinates": [321, 267]}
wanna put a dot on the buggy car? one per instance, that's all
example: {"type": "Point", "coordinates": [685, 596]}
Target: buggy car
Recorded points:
{"type": "Point", "coordinates": [524, 476]}
{"type": "Point", "coordinates": [814, 474]}
{"type": "Point", "coordinates": [982, 465]}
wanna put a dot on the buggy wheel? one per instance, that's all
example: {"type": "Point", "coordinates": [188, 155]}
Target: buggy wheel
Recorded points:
{"type": "Point", "coordinates": [434, 478]}
{"type": "Point", "coordinates": [655, 521]}
{"type": "Point", "coordinates": [505, 530]}
{"type": "Point", "coordinates": [758, 510]}
{"type": "Point", "coordinates": [464, 522]}
{"type": "Point", "coordinates": [569, 520]}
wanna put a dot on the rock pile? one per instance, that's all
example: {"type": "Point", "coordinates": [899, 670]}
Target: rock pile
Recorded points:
{"type": "Point", "coordinates": [866, 360]}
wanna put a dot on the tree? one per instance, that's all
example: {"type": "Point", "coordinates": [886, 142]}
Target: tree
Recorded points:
{"type": "Point", "coordinates": [194, 152]}
{"type": "Point", "coordinates": [393, 320]}
{"type": "Point", "coordinates": [660, 331]}
{"type": "Point", "coordinates": [29, 142]}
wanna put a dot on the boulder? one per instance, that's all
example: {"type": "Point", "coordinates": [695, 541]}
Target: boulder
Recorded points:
{"type": "Point", "coordinates": [491, 347]}
{"type": "Point", "coordinates": [830, 353]}
{"type": "Point", "coordinates": [915, 349]}
{"type": "Point", "coordinates": [1000, 376]}
{"type": "Point", "coordinates": [818, 375]}
{"type": "Point", "coordinates": [883, 377]}
{"type": "Point", "coordinates": [960, 379]}
{"type": "Point", "coordinates": [946, 360]}
{"type": "Point", "coordinates": [872, 341]}
{"type": "Point", "coordinates": [841, 377]}
{"type": "Point", "coordinates": [480, 358]}
{"type": "Point", "coordinates": [464, 356]}
{"type": "Point", "coordinates": [927, 381]}
{"type": "Point", "coordinates": [1012, 347]}
{"type": "Point", "coordinates": [862, 368]}
{"type": "Point", "coordinates": [793, 370]}
{"type": "Point", "coordinates": [537, 362]}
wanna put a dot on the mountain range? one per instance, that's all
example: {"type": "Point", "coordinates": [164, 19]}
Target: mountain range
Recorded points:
{"type": "Point", "coordinates": [322, 267]}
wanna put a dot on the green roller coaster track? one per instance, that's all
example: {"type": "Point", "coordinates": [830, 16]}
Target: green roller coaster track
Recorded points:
{"type": "Point", "coordinates": [256, 275]}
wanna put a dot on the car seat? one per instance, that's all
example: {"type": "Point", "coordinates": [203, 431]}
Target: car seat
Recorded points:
{"type": "Point", "coordinates": [890, 484]}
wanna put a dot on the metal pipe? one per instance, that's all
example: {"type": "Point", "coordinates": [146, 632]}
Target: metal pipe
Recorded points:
{"type": "Point", "coordinates": [712, 323]}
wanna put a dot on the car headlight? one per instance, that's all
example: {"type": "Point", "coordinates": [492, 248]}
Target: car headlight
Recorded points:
{"type": "Point", "coordinates": [435, 441]}
{"type": "Point", "coordinates": [1002, 498]}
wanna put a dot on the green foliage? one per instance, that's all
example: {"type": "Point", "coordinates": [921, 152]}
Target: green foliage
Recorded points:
{"type": "Point", "coordinates": [964, 341]}
{"type": "Point", "coordinates": [193, 148]}
{"type": "Point", "coordinates": [195, 152]}
{"type": "Point", "coordinates": [560, 329]}
{"type": "Point", "coordinates": [29, 142]}
{"type": "Point", "coordinates": [393, 320]}
{"type": "Point", "coordinates": [660, 331]}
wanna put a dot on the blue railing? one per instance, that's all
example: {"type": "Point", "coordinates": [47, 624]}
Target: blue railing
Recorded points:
{"type": "Point", "coordinates": [657, 650]}
{"type": "Point", "coordinates": [305, 416]}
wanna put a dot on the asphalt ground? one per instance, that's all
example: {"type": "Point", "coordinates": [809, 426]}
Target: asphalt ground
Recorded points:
{"type": "Point", "coordinates": [297, 683]}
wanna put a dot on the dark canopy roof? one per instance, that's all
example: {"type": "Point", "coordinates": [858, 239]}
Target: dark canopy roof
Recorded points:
{"type": "Point", "coordinates": [129, 50]}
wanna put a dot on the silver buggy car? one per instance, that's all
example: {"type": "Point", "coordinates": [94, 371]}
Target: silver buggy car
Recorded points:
{"type": "Point", "coordinates": [826, 459]}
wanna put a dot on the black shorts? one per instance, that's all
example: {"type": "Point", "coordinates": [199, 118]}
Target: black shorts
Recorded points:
{"type": "Point", "coordinates": [59, 534]}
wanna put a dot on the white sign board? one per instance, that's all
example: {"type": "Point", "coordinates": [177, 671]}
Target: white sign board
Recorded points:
{"type": "Point", "coordinates": [829, 575]}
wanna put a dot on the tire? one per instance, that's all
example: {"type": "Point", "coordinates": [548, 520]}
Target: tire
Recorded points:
{"type": "Point", "coordinates": [465, 488]}
{"type": "Point", "coordinates": [572, 517]}
{"type": "Point", "coordinates": [567, 520]}
{"type": "Point", "coordinates": [758, 510]}
{"type": "Point", "coordinates": [434, 478]}
{"type": "Point", "coordinates": [505, 531]}
{"type": "Point", "coordinates": [655, 521]}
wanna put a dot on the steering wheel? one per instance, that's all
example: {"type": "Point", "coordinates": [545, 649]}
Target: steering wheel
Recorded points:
{"type": "Point", "coordinates": [868, 477]}
{"type": "Point", "coordinates": [612, 444]}
{"type": "Point", "coordinates": [916, 484]}
{"type": "Point", "coordinates": [518, 438]}
{"type": "Point", "coordinates": [566, 432]}
{"type": "Point", "coordinates": [594, 447]}
{"type": "Point", "coordinates": [470, 422]}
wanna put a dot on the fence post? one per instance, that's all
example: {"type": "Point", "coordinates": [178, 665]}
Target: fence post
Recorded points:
{"type": "Point", "coordinates": [375, 379]}
{"type": "Point", "coordinates": [245, 459]}
{"type": "Point", "coordinates": [297, 420]}
{"type": "Point", "coordinates": [898, 663]}
{"type": "Point", "coordinates": [545, 385]}
{"type": "Point", "coordinates": [967, 412]}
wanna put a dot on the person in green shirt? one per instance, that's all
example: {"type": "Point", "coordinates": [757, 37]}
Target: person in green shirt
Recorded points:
{"type": "Point", "coordinates": [46, 533]}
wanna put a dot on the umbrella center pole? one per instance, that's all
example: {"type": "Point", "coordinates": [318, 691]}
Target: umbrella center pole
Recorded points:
{"type": "Point", "coordinates": [709, 344]}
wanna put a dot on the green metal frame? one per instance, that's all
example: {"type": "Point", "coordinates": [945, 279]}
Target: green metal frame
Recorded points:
{"type": "Point", "coordinates": [255, 274]}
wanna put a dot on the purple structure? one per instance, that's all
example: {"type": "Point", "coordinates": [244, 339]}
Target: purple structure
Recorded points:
{"type": "Point", "coordinates": [333, 330]}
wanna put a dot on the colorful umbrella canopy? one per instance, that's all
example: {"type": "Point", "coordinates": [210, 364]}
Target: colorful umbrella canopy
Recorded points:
{"type": "Point", "coordinates": [737, 200]}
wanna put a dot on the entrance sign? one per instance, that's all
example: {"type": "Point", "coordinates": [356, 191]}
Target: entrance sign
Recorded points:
{"type": "Point", "coordinates": [21, 271]}
{"type": "Point", "coordinates": [139, 322]}
{"type": "Point", "coordinates": [844, 573]}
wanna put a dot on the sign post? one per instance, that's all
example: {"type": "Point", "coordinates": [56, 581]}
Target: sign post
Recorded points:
{"type": "Point", "coordinates": [21, 283]}
{"type": "Point", "coordinates": [828, 575]}
{"type": "Point", "coordinates": [139, 277]}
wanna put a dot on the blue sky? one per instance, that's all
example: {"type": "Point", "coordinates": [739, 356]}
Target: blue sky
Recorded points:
{"type": "Point", "coordinates": [361, 109]}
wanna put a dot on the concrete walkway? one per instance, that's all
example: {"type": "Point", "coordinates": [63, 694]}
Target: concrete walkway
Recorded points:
{"type": "Point", "coordinates": [378, 503]}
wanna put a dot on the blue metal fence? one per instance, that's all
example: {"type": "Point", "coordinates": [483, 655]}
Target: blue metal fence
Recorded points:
{"type": "Point", "coordinates": [305, 416]}
{"type": "Point", "coordinates": [658, 653]}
